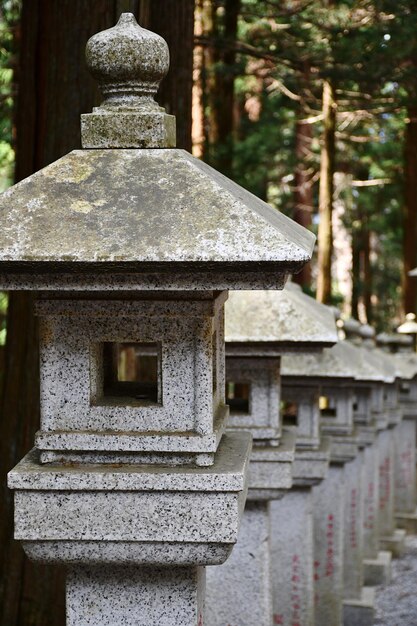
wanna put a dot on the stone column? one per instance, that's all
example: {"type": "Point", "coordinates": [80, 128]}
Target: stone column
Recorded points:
{"type": "Point", "coordinates": [391, 539]}
{"type": "Point", "coordinates": [135, 596]}
{"type": "Point", "coordinates": [377, 563]}
{"type": "Point", "coordinates": [358, 606]}
{"type": "Point", "coordinates": [292, 558]}
{"type": "Point", "coordinates": [240, 591]}
{"type": "Point", "coordinates": [405, 475]}
{"type": "Point", "coordinates": [328, 524]}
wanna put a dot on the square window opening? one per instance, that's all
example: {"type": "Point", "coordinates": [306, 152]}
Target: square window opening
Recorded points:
{"type": "Point", "coordinates": [289, 412]}
{"type": "Point", "coordinates": [237, 397]}
{"type": "Point", "coordinates": [132, 374]}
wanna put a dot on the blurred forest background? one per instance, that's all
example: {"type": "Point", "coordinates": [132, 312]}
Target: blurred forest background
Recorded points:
{"type": "Point", "coordinates": [309, 104]}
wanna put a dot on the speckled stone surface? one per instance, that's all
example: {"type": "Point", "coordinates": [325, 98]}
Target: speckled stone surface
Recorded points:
{"type": "Point", "coordinates": [141, 504]}
{"type": "Point", "coordinates": [292, 559]}
{"type": "Point", "coordinates": [271, 468]}
{"type": "Point", "coordinates": [239, 592]}
{"type": "Point", "coordinates": [262, 419]}
{"type": "Point", "coordinates": [341, 400]}
{"type": "Point", "coordinates": [311, 465]}
{"type": "Point", "coordinates": [128, 596]}
{"type": "Point", "coordinates": [183, 213]}
{"type": "Point", "coordinates": [77, 416]}
{"type": "Point", "coordinates": [370, 490]}
{"type": "Point", "coordinates": [328, 525]}
{"type": "Point", "coordinates": [288, 318]}
{"type": "Point", "coordinates": [353, 534]}
{"type": "Point", "coordinates": [386, 482]}
{"type": "Point", "coordinates": [305, 398]}
{"type": "Point", "coordinates": [405, 467]}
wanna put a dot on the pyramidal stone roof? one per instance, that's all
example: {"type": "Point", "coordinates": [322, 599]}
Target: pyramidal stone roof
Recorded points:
{"type": "Point", "coordinates": [142, 206]}
{"type": "Point", "coordinates": [130, 202]}
{"type": "Point", "coordinates": [289, 319]}
{"type": "Point", "coordinates": [343, 361]}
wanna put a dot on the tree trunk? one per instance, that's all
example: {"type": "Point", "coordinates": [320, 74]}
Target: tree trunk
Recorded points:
{"type": "Point", "coordinates": [54, 88]}
{"type": "Point", "coordinates": [356, 274]}
{"type": "Point", "coordinates": [410, 211]}
{"type": "Point", "coordinates": [303, 193]}
{"type": "Point", "coordinates": [222, 72]}
{"type": "Point", "coordinates": [174, 21]}
{"type": "Point", "coordinates": [367, 272]}
{"type": "Point", "coordinates": [327, 163]}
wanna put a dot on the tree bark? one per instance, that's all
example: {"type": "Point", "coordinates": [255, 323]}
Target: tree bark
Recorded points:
{"type": "Point", "coordinates": [410, 211]}
{"type": "Point", "coordinates": [327, 164]}
{"type": "Point", "coordinates": [54, 87]}
{"type": "Point", "coordinates": [174, 21]}
{"type": "Point", "coordinates": [303, 193]}
{"type": "Point", "coordinates": [222, 69]}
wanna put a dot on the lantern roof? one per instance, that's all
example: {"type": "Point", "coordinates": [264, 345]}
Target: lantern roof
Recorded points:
{"type": "Point", "coordinates": [289, 320]}
{"type": "Point", "coordinates": [342, 362]}
{"type": "Point", "coordinates": [131, 203]}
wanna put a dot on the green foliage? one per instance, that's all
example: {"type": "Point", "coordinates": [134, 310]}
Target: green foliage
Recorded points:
{"type": "Point", "coordinates": [9, 15]}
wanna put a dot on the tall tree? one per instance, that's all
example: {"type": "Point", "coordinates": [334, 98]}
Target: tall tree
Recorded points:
{"type": "Point", "coordinates": [54, 87]}
{"type": "Point", "coordinates": [327, 168]}
{"type": "Point", "coordinates": [174, 21]}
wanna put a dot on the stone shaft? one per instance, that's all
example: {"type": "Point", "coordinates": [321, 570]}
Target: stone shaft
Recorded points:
{"type": "Point", "coordinates": [292, 558]}
{"type": "Point", "coordinates": [132, 596]}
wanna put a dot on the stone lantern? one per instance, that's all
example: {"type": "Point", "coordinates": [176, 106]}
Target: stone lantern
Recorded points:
{"type": "Point", "coordinates": [405, 361]}
{"type": "Point", "coordinates": [340, 595]}
{"type": "Point", "coordinates": [391, 538]}
{"type": "Point", "coordinates": [132, 245]}
{"type": "Point", "coordinates": [260, 327]}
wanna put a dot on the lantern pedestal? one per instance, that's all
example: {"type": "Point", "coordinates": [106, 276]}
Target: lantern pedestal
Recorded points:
{"type": "Point", "coordinates": [240, 591]}
{"type": "Point", "coordinates": [405, 475]}
{"type": "Point", "coordinates": [376, 563]}
{"type": "Point", "coordinates": [115, 526]}
{"type": "Point", "coordinates": [391, 539]}
{"type": "Point", "coordinates": [135, 596]}
{"type": "Point", "coordinates": [358, 606]}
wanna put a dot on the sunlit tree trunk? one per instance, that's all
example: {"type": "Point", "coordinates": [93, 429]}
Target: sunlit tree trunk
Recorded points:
{"type": "Point", "coordinates": [410, 211]}
{"type": "Point", "coordinates": [327, 164]}
{"type": "Point", "coordinates": [303, 192]}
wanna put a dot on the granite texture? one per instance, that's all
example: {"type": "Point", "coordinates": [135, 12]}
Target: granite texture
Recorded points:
{"type": "Point", "coordinates": [386, 482]}
{"type": "Point", "coordinates": [305, 399]}
{"type": "Point", "coordinates": [76, 414]}
{"type": "Point", "coordinates": [360, 611]}
{"type": "Point", "coordinates": [338, 418]}
{"type": "Point", "coordinates": [353, 534]}
{"type": "Point", "coordinates": [311, 466]}
{"type": "Point", "coordinates": [262, 419]}
{"type": "Point", "coordinates": [370, 491]}
{"type": "Point", "coordinates": [292, 559]}
{"type": "Point", "coordinates": [182, 212]}
{"type": "Point", "coordinates": [288, 318]}
{"type": "Point", "coordinates": [405, 467]}
{"type": "Point", "coordinates": [328, 524]}
{"type": "Point", "coordinates": [144, 505]}
{"type": "Point", "coordinates": [271, 468]}
{"type": "Point", "coordinates": [239, 592]}
{"type": "Point", "coordinates": [129, 596]}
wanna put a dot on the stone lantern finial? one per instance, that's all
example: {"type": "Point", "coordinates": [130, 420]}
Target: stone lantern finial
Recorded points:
{"type": "Point", "coordinates": [128, 62]}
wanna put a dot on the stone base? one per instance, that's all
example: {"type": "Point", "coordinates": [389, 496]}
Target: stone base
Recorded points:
{"type": "Point", "coordinates": [132, 596]}
{"type": "Point", "coordinates": [394, 543]}
{"type": "Point", "coordinates": [239, 592]}
{"type": "Point", "coordinates": [377, 571]}
{"type": "Point", "coordinates": [407, 522]}
{"type": "Point", "coordinates": [360, 612]}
